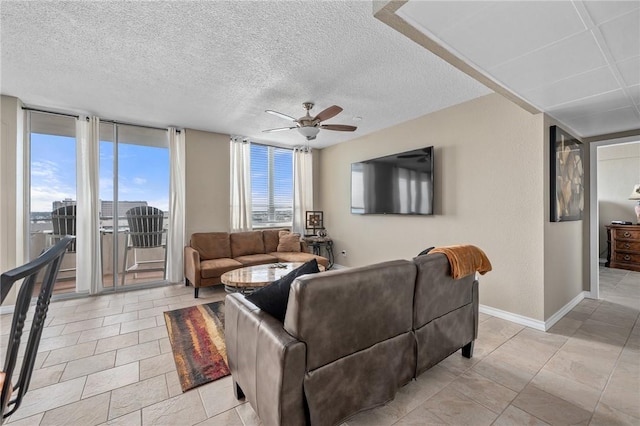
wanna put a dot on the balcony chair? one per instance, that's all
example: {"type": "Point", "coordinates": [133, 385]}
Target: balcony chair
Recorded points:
{"type": "Point", "coordinates": [63, 220]}
{"type": "Point", "coordinates": [145, 232]}
{"type": "Point", "coordinates": [48, 262]}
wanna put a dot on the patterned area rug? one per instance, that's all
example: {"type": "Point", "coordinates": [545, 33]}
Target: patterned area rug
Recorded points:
{"type": "Point", "coordinates": [197, 339]}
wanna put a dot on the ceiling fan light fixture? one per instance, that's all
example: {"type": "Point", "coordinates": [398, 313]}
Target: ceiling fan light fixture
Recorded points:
{"type": "Point", "coordinates": [308, 132]}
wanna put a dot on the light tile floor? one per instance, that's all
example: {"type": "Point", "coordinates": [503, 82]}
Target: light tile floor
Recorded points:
{"type": "Point", "coordinates": [107, 360]}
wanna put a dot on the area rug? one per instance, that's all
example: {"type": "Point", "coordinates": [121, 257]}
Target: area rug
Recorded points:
{"type": "Point", "coordinates": [196, 334]}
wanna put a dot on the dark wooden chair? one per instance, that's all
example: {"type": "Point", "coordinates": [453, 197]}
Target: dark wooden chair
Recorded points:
{"type": "Point", "coordinates": [145, 232]}
{"type": "Point", "coordinates": [47, 266]}
{"type": "Point", "coordinates": [63, 220]}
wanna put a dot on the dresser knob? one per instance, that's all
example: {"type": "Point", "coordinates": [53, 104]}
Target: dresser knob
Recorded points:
{"type": "Point", "coordinates": [627, 257]}
{"type": "Point", "coordinates": [627, 245]}
{"type": "Point", "coordinates": [627, 234]}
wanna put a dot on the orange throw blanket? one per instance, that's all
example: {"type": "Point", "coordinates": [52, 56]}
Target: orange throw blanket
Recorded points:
{"type": "Point", "coordinates": [465, 260]}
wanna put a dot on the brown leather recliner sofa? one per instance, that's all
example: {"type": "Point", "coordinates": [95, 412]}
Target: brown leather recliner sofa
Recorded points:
{"type": "Point", "coordinates": [351, 338]}
{"type": "Point", "coordinates": [211, 254]}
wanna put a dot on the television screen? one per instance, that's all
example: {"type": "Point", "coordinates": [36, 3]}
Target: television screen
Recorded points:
{"type": "Point", "coordinates": [396, 184]}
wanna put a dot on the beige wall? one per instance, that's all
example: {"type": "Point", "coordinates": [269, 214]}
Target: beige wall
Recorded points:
{"type": "Point", "coordinates": [618, 172]}
{"type": "Point", "coordinates": [565, 244]}
{"type": "Point", "coordinates": [207, 182]}
{"type": "Point", "coordinates": [489, 192]}
{"type": "Point", "coordinates": [12, 220]}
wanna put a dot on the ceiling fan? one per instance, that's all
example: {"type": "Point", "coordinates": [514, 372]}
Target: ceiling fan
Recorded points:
{"type": "Point", "coordinates": [309, 126]}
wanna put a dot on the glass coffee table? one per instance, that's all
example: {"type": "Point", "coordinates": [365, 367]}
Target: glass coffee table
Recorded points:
{"type": "Point", "coordinates": [250, 278]}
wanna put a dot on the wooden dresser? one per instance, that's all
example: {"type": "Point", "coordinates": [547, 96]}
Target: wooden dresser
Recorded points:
{"type": "Point", "coordinates": [623, 242]}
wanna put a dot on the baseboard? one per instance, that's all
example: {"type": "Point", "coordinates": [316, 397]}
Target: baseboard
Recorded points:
{"type": "Point", "coordinates": [533, 323]}
{"type": "Point", "coordinates": [509, 316]}
{"type": "Point", "coordinates": [565, 309]}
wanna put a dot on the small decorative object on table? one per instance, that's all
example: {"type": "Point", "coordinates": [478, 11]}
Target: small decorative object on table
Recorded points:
{"type": "Point", "coordinates": [314, 221]}
{"type": "Point", "coordinates": [322, 233]}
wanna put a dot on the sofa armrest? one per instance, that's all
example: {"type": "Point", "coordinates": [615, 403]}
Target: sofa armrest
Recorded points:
{"type": "Point", "coordinates": [266, 362]}
{"type": "Point", "coordinates": [192, 265]}
{"type": "Point", "coordinates": [304, 247]}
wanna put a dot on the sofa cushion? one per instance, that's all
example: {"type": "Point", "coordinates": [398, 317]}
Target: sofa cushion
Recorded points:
{"type": "Point", "coordinates": [213, 268]}
{"type": "Point", "coordinates": [256, 259]}
{"type": "Point", "coordinates": [271, 238]}
{"type": "Point", "coordinates": [211, 245]}
{"type": "Point", "coordinates": [288, 241]}
{"type": "Point", "coordinates": [273, 298]}
{"type": "Point", "coordinates": [299, 257]}
{"type": "Point", "coordinates": [243, 243]}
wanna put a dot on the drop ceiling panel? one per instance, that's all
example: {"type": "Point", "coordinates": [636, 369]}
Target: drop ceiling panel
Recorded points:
{"type": "Point", "coordinates": [575, 87]}
{"type": "Point", "coordinates": [440, 16]}
{"type": "Point", "coordinates": [605, 122]}
{"type": "Point", "coordinates": [499, 34]}
{"type": "Point", "coordinates": [601, 11]}
{"type": "Point", "coordinates": [630, 71]}
{"type": "Point", "coordinates": [602, 102]}
{"type": "Point", "coordinates": [575, 55]}
{"type": "Point", "coordinates": [623, 35]}
{"type": "Point", "coordinates": [577, 60]}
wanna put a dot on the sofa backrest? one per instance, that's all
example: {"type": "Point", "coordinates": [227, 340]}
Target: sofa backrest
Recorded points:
{"type": "Point", "coordinates": [375, 301]}
{"type": "Point", "coordinates": [244, 243]}
{"type": "Point", "coordinates": [271, 238]}
{"type": "Point", "coordinates": [211, 245]}
{"type": "Point", "coordinates": [436, 292]}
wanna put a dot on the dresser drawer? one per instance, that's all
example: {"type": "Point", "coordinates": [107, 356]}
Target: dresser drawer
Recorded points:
{"type": "Point", "coordinates": [628, 246]}
{"type": "Point", "coordinates": [627, 257]}
{"type": "Point", "coordinates": [627, 234]}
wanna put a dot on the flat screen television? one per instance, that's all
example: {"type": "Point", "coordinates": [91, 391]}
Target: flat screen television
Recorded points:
{"type": "Point", "coordinates": [396, 184]}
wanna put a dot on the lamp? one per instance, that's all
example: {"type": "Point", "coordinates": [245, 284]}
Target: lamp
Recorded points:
{"type": "Point", "coordinates": [308, 132]}
{"type": "Point", "coordinates": [635, 196]}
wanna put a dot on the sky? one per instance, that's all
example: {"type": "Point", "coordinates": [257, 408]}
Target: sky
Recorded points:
{"type": "Point", "coordinates": [143, 172]}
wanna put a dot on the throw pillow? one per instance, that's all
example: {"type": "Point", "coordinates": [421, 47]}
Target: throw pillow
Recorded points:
{"type": "Point", "coordinates": [289, 241]}
{"type": "Point", "coordinates": [274, 297]}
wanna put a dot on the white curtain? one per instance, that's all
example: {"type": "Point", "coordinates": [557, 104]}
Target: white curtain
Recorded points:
{"type": "Point", "coordinates": [302, 187]}
{"type": "Point", "coordinates": [176, 237]}
{"type": "Point", "coordinates": [240, 201]}
{"type": "Point", "coordinates": [88, 255]}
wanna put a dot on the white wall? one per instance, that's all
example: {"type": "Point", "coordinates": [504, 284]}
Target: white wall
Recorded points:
{"type": "Point", "coordinates": [490, 190]}
{"type": "Point", "coordinates": [618, 172]}
{"type": "Point", "coordinates": [207, 182]}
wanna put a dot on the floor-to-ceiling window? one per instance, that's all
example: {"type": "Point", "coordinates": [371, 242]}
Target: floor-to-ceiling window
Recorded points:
{"type": "Point", "coordinates": [271, 186]}
{"type": "Point", "coordinates": [134, 181]}
{"type": "Point", "coordinates": [133, 198]}
{"type": "Point", "coordinates": [52, 188]}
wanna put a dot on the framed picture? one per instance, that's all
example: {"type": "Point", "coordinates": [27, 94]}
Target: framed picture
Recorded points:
{"type": "Point", "coordinates": [314, 220]}
{"type": "Point", "coordinates": [567, 176]}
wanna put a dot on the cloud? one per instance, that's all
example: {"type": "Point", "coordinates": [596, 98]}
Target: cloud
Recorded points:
{"type": "Point", "coordinates": [139, 181]}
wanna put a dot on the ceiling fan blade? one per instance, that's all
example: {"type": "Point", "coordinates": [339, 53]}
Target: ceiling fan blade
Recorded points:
{"type": "Point", "coordinates": [338, 127]}
{"type": "Point", "coordinates": [281, 115]}
{"type": "Point", "coordinates": [326, 114]}
{"type": "Point", "coordinates": [279, 129]}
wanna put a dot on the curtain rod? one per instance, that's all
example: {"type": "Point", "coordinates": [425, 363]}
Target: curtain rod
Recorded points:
{"type": "Point", "coordinates": [49, 112]}
{"type": "Point", "coordinates": [136, 125]}
{"type": "Point", "coordinates": [101, 120]}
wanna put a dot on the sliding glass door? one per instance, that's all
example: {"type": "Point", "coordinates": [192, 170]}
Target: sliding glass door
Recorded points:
{"type": "Point", "coordinates": [52, 190]}
{"type": "Point", "coordinates": [134, 204]}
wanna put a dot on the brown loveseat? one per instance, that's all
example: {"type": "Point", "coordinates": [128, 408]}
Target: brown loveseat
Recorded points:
{"type": "Point", "coordinates": [351, 338]}
{"type": "Point", "coordinates": [211, 254]}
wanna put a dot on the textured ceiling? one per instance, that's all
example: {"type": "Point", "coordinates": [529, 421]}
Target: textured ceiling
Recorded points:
{"type": "Point", "coordinates": [578, 61]}
{"type": "Point", "coordinates": [217, 65]}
